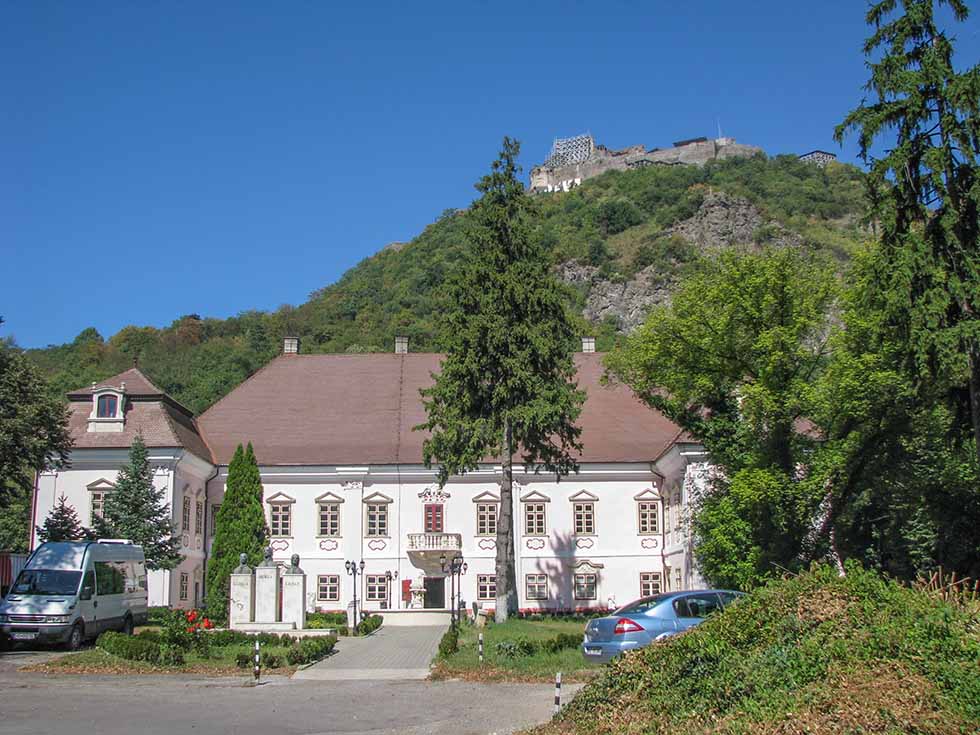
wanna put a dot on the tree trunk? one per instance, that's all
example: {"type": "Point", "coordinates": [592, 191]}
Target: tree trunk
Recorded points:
{"type": "Point", "coordinates": [506, 602]}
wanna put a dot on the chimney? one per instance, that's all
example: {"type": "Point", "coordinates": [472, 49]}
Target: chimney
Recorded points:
{"type": "Point", "coordinates": [588, 344]}
{"type": "Point", "coordinates": [290, 345]}
{"type": "Point", "coordinates": [401, 345]}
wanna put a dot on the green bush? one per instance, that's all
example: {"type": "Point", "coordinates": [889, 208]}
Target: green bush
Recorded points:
{"type": "Point", "coordinates": [449, 643]}
{"type": "Point", "coordinates": [269, 660]}
{"type": "Point", "coordinates": [516, 648]}
{"type": "Point", "coordinates": [326, 620]}
{"type": "Point", "coordinates": [156, 615]}
{"type": "Point", "coordinates": [171, 655]}
{"type": "Point", "coordinates": [309, 649]}
{"type": "Point", "coordinates": [131, 648]}
{"type": "Point", "coordinates": [370, 624]}
{"type": "Point", "coordinates": [237, 638]}
{"type": "Point", "coordinates": [244, 659]}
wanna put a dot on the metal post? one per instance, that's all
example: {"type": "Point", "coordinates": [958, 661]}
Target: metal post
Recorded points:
{"type": "Point", "coordinates": [481, 649]}
{"type": "Point", "coordinates": [557, 692]}
{"type": "Point", "coordinates": [257, 668]}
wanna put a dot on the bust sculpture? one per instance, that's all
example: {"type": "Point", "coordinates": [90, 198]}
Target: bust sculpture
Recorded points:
{"type": "Point", "coordinates": [267, 558]}
{"type": "Point", "coordinates": [294, 565]}
{"type": "Point", "coordinates": [243, 567]}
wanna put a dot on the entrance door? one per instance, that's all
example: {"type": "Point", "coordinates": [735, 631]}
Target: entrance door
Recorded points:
{"type": "Point", "coordinates": [435, 592]}
{"type": "Point", "coordinates": [433, 518]}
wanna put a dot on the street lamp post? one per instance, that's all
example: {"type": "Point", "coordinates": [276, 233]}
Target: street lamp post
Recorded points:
{"type": "Point", "coordinates": [455, 569]}
{"type": "Point", "coordinates": [353, 569]}
{"type": "Point", "coordinates": [389, 575]}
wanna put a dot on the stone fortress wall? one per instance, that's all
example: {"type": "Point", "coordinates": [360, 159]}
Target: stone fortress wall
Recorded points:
{"type": "Point", "coordinates": [573, 160]}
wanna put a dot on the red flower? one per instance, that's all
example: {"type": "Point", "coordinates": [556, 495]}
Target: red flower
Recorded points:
{"type": "Point", "coordinates": [207, 624]}
{"type": "Point", "coordinates": [191, 616]}
{"type": "Point", "coordinates": [190, 630]}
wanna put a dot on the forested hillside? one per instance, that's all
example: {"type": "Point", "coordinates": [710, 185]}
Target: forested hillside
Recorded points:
{"type": "Point", "coordinates": [620, 241]}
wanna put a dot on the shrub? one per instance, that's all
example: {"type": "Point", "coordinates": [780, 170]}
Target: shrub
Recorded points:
{"type": "Point", "coordinates": [316, 621]}
{"type": "Point", "coordinates": [370, 624]}
{"type": "Point", "coordinates": [269, 660]}
{"type": "Point", "coordinates": [237, 638]}
{"type": "Point", "coordinates": [615, 215]}
{"type": "Point", "coordinates": [131, 648]}
{"type": "Point", "coordinates": [309, 649]}
{"type": "Point", "coordinates": [156, 615]}
{"type": "Point", "coordinates": [171, 655]}
{"type": "Point", "coordinates": [449, 643]}
{"type": "Point", "coordinates": [516, 648]}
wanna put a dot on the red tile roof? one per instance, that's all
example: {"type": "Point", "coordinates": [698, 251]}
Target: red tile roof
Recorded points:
{"type": "Point", "coordinates": [360, 409]}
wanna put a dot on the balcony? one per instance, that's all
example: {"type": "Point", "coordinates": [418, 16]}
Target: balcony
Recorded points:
{"type": "Point", "coordinates": [425, 550]}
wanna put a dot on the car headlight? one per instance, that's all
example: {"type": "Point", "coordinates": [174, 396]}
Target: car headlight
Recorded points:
{"type": "Point", "coordinates": [57, 618]}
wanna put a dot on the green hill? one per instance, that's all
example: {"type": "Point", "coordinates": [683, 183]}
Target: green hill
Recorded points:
{"type": "Point", "coordinates": [620, 241]}
{"type": "Point", "coordinates": [811, 654]}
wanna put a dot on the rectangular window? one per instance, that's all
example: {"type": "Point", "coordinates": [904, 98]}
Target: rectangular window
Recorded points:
{"type": "Point", "coordinates": [183, 585]}
{"type": "Point", "coordinates": [281, 516]}
{"type": "Point", "coordinates": [486, 586]}
{"type": "Point", "coordinates": [649, 584]}
{"type": "Point", "coordinates": [584, 514]}
{"type": "Point", "coordinates": [433, 518]}
{"type": "Point", "coordinates": [486, 519]}
{"type": "Point", "coordinates": [377, 519]}
{"type": "Point", "coordinates": [377, 588]}
{"type": "Point", "coordinates": [534, 524]}
{"type": "Point", "coordinates": [677, 579]}
{"type": "Point", "coordinates": [98, 505]}
{"type": "Point", "coordinates": [649, 517]}
{"type": "Point", "coordinates": [214, 519]}
{"type": "Point", "coordinates": [330, 519]}
{"type": "Point", "coordinates": [185, 519]}
{"type": "Point", "coordinates": [110, 577]}
{"type": "Point", "coordinates": [328, 588]}
{"type": "Point", "coordinates": [536, 586]}
{"type": "Point", "coordinates": [585, 586]}
{"type": "Point", "coordinates": [106, 407]}
{"type": "Point", "coordinates": [198, 517]}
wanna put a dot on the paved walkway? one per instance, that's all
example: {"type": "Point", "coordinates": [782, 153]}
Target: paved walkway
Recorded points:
{"type": "Point", "coordinates": [395, 652]}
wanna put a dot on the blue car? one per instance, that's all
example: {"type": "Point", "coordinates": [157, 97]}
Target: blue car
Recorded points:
{"type": "Point", "coordinates": [650, 619]}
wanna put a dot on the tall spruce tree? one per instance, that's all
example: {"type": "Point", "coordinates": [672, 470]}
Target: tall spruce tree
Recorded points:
{"type": "Point", "coordinates": [62, 524]}
{"type": "Point", "coordinates": [925, 194]}
{"type": "Point", "coordinates": [136, 510]}
{"type": "Point", "coordinates": [506, 386]}
{"type": "Point", "coordinates": [239, 528]}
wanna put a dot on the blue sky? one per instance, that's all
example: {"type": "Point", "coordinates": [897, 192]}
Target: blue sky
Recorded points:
{"type": "Point", "coordinates": [159, 159]}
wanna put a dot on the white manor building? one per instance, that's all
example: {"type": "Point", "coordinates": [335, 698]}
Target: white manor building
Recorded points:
{"type": "Point", "coordinates": [343, 480]}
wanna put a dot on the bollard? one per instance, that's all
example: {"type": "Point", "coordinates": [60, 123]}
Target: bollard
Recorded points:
{"type": "Point", "coordinates": [256, 669]}
{"type": "Point", "coordinates": [481, 649]}
{"type": "Point", "coordinates": [557, 692]}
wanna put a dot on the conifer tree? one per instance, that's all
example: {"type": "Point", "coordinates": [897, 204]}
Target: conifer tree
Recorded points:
{"type": "Point", "coordinates": [136, 510]}
{"type": "Point", "coordinates": [506, 386]}
{"type": "Point", "coordinates": [62, 524]}
{"type": "Point", "coordinates": [239, 528]}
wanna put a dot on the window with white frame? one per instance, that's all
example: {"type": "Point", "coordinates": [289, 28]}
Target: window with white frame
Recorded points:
{"type": "Point", "coordinates": [534, 519]}
{"type": "Point", "coordinates": [486, 519]}
{"type": "Point", "coordinates": [377, 588]}
{"type": "Point", "coordinates": [183, 585]}
{"type": "Point", "coordinates": [536, 586]}
{"type": "Point", "coordinates": [199, 517]}
{"type": "Point", "coordinates": [328, 587]}
{"type": "Point", "coordinates": [214, 518]}
{"type": "Point", "coordinates": [280, 519]}
{"type": "Point", "coordinates": [486, 586]}
{"type": "Point", "coordinates": [648, 516]}
{"type": "Point", "coordinates": [106, 407]}
{"type": "Point", "coordinates": [585, 585]}
{"type": "Point", "coordinates": [584, 515]}
{"type": "Point", "coordinates": [649, 584]}
{"type": "Point", "coordinates": [377, 519]}
{"type": "Point", "coordinates": [185, 518]}
{"type": "Point", "coordinates": [329, 519]}
{"type": "Point", "coordinates": [98, 504]}
{"type": "Point", "coordinates": [677, 578]}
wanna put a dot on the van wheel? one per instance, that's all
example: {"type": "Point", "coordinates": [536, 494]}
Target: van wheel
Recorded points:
{"type": "Point", "coordinates": [75, 639]}
{"type": "Point", "coordinates": [127, 628]}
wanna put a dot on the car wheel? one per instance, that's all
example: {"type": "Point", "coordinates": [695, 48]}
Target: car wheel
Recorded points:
{"type": "Point", "coordinates": [127, 628]}
{"type": "Point", "coordinates": [75, 638]}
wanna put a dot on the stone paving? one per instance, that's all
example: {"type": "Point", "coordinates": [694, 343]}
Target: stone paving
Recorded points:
{"type": "Point", "coordinates": [391, 653]}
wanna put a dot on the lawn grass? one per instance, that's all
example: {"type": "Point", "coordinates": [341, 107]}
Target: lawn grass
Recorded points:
{"type": "Point", "coordinates": [542, 666]}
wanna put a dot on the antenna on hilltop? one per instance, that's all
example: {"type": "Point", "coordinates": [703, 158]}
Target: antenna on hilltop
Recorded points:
{"type": "Point", "coordinates": [718, 120]}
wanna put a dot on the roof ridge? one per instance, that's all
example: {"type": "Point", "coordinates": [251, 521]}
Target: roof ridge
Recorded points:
{"type": "Point", "coordinates": [178, 441]}
{"type": "Point", "coordinates": [227, 395]}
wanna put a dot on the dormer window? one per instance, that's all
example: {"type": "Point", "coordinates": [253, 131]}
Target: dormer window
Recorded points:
{"type": "Point", "coordinates": [107, 407]}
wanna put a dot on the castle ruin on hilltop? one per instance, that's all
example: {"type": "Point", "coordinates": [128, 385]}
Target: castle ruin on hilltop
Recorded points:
{"type": "Point", "coordinates": [573, 160]}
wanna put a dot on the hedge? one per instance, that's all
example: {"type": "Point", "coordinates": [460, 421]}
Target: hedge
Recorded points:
{"type": "Point", "coordinates": [326, 620]}
{"type": "Point", "coordinates": [370, 624]}
{"type": "Point", "coordinates": [524, 647]}
{"type": "Point", "coordinates": [131, 648]}
{"type": "Point", "coordinates": [449, 643]}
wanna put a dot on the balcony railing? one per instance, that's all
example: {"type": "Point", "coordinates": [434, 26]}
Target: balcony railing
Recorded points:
{"type": "Point", "coordinates": [434, 542]}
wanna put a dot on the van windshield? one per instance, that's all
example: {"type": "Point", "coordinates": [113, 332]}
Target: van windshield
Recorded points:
{"type": "Point", "coordinates": [46, 582]}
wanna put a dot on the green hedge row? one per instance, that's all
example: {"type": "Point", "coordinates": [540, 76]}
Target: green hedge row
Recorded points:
{"type": "Point", "coordinates": [326, 620]}
{"type": "Point", "coordinates": [524, 647]}
{"type": "Point", "coordinates": [302, 651]}
{"type": "Point", "coordinates": [131, 648]}
{"type": "Point", "coordinates": [370, 624]}
{"type": "Point", "coordinates": [449, 643]}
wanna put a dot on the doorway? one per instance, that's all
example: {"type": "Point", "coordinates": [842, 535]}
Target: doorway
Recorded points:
{"type": "Point", "coordinates": [435, 593]}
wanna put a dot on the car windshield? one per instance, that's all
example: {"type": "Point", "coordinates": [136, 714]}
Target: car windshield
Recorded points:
{"type": "Point", "coordinates": [46, 582]}
{"type": "Point", "coordinates": [641, 606]}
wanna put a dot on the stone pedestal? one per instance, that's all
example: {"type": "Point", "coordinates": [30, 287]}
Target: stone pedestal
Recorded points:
{"type": "Point", "coordinates": [294, 595]}
{"type": "Point", "coordinates": [266, 594]}
{"type": "Point", "coordinates": [242, 600]}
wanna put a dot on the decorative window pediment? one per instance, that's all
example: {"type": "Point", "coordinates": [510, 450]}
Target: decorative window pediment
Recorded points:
{"type": "Point", "coordinates": [586, 566]}
{"type": "Point", "coordinates": [378, 498]}
{"type": "Point", "coordinates": [486, 497]}
{"type": "Point", "coordinates": [535, 497]}
{"type": "Point", "coordinates": [434, 496]}
{"type": "Point", "coordinates": [329, 497]}
{"type": "Point", "coordinates": [279, 498]}
{"type": "Point", "coordinates": [101, 484]}
{"type": "Point", "coordinates": [583, 496]}
{"type": "Point", "coordinates": [651, 493]}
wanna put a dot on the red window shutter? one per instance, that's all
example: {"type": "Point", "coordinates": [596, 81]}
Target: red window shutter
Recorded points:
{"type": "Point", "coordinates": [406, 590]}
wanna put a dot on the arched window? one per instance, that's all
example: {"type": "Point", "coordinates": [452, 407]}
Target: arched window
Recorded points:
{"type": "Point", "coordinates": [107, 407]}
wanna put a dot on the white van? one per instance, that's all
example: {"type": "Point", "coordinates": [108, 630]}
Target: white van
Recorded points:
{"type": "Point", "coordinates": [72, 590]}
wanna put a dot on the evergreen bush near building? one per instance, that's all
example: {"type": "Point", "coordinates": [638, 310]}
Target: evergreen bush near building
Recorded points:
{"type": "Point", "coordinates": [135, 510]}
{"type": "Point", "coordinates": [62, 524]}
{"type": "Point", "coordinates": [239, 529]}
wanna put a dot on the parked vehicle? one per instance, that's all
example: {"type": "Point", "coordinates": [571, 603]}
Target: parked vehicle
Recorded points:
{"type": "Point", "coordinates": [650, 619]}
{"type": "Point", "coordinates": [72, 590]}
